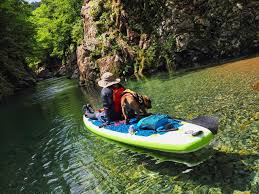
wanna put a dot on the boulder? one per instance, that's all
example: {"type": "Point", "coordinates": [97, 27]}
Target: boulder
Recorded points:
{"type": "Point", "coordinates": [43, 72]}
{"type": "Point", "coordinates": [61, 71]}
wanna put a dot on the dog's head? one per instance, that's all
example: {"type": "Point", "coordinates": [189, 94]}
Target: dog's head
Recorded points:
{"type": "Point", "coordinates": [147, 102]}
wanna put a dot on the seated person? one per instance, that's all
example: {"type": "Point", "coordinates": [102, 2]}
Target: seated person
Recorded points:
{"type": "Point", "coordinates": [111, 99]}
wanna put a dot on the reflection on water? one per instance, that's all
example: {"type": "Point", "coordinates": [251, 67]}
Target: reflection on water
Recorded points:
{"type": "Point", "coordinates": [45, 147]}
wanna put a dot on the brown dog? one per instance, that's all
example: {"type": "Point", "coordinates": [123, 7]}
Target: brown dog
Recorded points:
{"type": "Point", "coordinates": [132, 103]}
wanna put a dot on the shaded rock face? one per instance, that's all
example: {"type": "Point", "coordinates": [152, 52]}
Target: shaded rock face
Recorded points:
{"type": "Point", "coordinates": [133, 37]}
{"type": "Point", "coordinates": [54, 68]}
{"type": "Point", "coordinates": [86, 67]}
{"type": "Point", "coordinates": [71, 67]}
{"type": "Point", "coordinates": [15, 78]}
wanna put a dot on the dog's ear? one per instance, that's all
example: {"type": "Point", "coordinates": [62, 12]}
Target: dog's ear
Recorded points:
{"type": "Point", "coordinates": [147, 101]}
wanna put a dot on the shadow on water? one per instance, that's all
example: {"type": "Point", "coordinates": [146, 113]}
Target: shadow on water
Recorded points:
{"type": "Point", "coordinates": [187, 159]}
{"type": "Point", "coordinates": [202, 170]}
{"type": "Point", "coordinates": [225, 170]}
{"type": "Point", "coordinates": [207, 168]}
{"type": "Point", "coordinates": [91, 95]}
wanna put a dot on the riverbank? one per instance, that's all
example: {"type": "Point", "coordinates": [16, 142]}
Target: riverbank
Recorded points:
{"type": "Point", "coordinates": [7, 89]}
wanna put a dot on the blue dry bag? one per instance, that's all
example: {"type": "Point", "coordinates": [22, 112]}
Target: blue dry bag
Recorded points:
{"type": "Point", "coordinates": [154, 122]}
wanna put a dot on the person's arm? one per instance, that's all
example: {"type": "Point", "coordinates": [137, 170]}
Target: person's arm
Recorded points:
{"type": "Point", "coordinates": [107, 100]}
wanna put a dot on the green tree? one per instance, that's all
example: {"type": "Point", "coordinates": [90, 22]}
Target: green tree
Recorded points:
{"type": "Point", "coordinates": [16, 32]}
{"type": "Point", "coordinates": [59, 30]}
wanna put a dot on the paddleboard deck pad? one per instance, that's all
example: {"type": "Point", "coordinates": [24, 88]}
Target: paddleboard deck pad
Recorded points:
{"type": "Point", "coordinates": [184, 137]}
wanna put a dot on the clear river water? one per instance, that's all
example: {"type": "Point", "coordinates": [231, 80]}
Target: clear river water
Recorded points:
{"type": "Point", "coordinates": [45, 147]}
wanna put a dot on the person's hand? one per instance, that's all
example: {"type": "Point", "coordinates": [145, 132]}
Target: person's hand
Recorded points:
{"type": "Point", "coordinates": [100, 110]}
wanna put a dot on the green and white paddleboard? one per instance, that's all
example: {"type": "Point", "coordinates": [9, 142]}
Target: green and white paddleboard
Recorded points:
{"type": "Point", "coordinates": [182, 140]}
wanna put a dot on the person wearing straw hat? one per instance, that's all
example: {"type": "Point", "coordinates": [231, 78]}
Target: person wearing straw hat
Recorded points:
{"type": "Point", "coordinates": [111, 98]}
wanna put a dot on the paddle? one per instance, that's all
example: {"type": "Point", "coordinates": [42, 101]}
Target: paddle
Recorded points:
{"type": "Point", "coordinates": [208, 122]}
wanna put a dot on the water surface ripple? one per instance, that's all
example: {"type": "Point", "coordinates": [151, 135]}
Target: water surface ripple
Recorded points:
{"type": "Point", "coordinates": [46, 149]}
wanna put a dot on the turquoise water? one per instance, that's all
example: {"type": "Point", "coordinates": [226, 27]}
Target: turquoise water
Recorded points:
{"type": "Point", "coordinates": [46, 149]}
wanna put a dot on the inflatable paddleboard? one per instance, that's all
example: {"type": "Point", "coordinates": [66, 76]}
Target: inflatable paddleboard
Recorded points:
{"type": "Point", "coordinates": [186, 138]}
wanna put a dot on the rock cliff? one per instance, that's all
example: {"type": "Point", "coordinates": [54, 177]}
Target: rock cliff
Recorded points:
{"type": "Point", "coordinates": [132, 37]}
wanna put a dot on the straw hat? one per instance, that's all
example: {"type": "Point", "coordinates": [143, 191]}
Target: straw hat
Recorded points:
{"type": "Point", "coordinates": [108, 79]}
